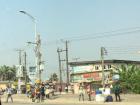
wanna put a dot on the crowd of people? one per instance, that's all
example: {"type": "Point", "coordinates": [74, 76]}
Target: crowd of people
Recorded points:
{"type": "Point", "coordinates": [39, 92]}
{"type": "Point", "coordinates": [104, 93]}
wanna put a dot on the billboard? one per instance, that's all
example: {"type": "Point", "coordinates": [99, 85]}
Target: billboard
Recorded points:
{"type": "Point", "coordinates": [86, 68]}
{"type": "Point", "coordinates": [92, 76]}
{"type": "Point", "coordinates": [32, 69]}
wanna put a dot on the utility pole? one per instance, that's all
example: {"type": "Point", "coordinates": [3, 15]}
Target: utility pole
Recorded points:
{"type": "Point", "coordinates": [19, 51]}
{"type": "Point", "coordinates": [25, 69]}
{"type": "Point", "coordinates": [38, 56]}
{"type": "Point", "coordinates": [102, 60]}
{"type": "Point", "coordinates": [37, 45]}
{"type": "Point", "coordinates": [67, 62]}
{"type": "Point", "coordinates": [20, 63]}
{"type": "Point", "coordinates": [103, 52]}
{"type": "Point", "coordinates": [67, 68]}
{"type": "Point", "coordinates": [60, 71]}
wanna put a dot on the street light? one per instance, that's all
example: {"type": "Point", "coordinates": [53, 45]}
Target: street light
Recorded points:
{"type": "Point", "coordinates": [31, 43]}
{"type": "Point", "coordinates": [37, 44]}
{"type": "Point", "coordinates": [33, 19]}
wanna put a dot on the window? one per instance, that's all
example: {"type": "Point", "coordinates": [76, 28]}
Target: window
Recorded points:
{"type": "Point", "coordinates": [96, 67]}
{"type": "Point", "coordinates": [109, 66]}
{"type": "Point", "coordinates": [104, 66]}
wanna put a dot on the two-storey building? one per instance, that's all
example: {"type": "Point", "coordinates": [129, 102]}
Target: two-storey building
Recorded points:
{"type": "Point", "coordinates": [90, 72]}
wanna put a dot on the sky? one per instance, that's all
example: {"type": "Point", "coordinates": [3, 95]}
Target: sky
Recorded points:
{"type": "Point", "coordinates": [86, 24]}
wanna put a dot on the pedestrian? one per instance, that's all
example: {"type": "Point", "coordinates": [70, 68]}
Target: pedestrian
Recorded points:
{"type": "Point", "coordinates": [72, 89]}
{"type": "Point", "coordinates": [42, 92]}
{"type": "Point", "coordinates": [37, 93]}
{"type": "Point", "coordinates": [81, 92]}
{"type": "Point", "coordinates": [9, 93]}
{"type": "Point", "coordinates": [47, 92]}
{"type": "Point", "coordinates": [89, 92]}
{"type": "Point", "coordinates": [1, 93]}
{"type": "Point", "coordinates": [66, 88]}
{"type": "Point", "coordinates": [60, 90]}
{"type": "Point", "coordinates": [117, 91]}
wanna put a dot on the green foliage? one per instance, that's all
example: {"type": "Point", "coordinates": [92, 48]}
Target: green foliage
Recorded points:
{"type": "Point", "coordinates": [7, 73]}
{"type": "Point", "coordinates": [54, 77]}
{"type": "Point", "coordinates": [130, 78]}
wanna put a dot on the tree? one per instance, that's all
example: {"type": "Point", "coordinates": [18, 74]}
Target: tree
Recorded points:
{"type": "Point", "coordinates": [54, 77]}
{"type": "Point", "coordinates": [7, 73]}
{"type": "Point", "coordinates": [130, 77]}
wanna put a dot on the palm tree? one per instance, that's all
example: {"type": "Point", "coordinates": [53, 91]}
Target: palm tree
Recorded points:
{"type": "Point", "coordinates": [7, 73]}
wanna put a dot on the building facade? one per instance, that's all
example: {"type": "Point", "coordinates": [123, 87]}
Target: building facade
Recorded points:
{"type": "Point", "coordinates": [90, 72]}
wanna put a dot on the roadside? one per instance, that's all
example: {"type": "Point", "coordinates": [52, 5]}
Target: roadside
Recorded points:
{"type": "Point", "coordinates": [128, 99]}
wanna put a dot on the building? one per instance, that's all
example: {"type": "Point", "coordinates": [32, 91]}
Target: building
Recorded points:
{"type": "Point", "coordinates": [90, 72]}
{"type": "Point", "coordinates": [4, 84]}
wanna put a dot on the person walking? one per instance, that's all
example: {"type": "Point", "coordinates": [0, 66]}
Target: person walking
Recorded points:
{"type": "Point", "coordinates": [81, 92]}
{"type": "Point", "coordinates": [60, 90]}
{"type": "Point", "coordinates": [47, 92]}
{"type": "Point", "coordinates": [89, 92]}
{"type": "Point", "coordinates": [117, 91]}
{"type": "Point", "coordinates": [37, 93]}
{"type": "Point", "coordinates": [66, 88]}
{"type": "Point", "coordinates": [42, 92]}
{"type": "Point", "coordinates": [9, 93]}
{"type": "Point", "coordinates": [1, 93]}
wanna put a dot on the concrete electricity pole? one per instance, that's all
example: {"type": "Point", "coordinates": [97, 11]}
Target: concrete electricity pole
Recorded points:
{"type": "Point", "coordinates": [25, 69]}
{"type": "Point", "coordinates": [67, 62]}
{"type": "Point", "coordinates": [67, 59]}
{"type": "Point", "coordinates": [103, 52]}
{"type": "Point", "coordinates": [60, 71]}
{"type": "Point", "coordinates": [20, 63]}
{"type": "Point", "coordinates": [19, 51]}
{"type": "Point", "coordinates": [38, 56]}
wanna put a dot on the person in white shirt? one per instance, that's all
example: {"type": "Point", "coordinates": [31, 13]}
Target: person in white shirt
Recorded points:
{"type": "Point", "coordinates": [81, 92]}
{"type": "Point", "coordinates": [9, 93]}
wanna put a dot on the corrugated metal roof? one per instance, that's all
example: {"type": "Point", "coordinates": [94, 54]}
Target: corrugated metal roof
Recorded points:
{"type": "Point", "coordinates": [105, 61]}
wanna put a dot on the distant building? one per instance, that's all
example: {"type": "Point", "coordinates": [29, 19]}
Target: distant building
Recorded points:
{"type": "Point", "coordinates": [4, 84]}
{"type": "Point", "coordinates": [90, 72]}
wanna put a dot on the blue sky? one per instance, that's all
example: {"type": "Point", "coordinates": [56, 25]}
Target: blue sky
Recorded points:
{"type": "Point", "coordinates": [68, 19]}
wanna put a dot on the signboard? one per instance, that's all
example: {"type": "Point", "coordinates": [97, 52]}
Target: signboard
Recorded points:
{"type": "Point", "coordinates": [19, 70]}
{"type": "Point", "coordinates": [32, 69]}
{"type": "Point", "coordinates": [86, 68]}
{"type": "Point", "coordinates": [92, 76]}
{"type": "Point", "coordinates": [76, 78]}
{"type": "Point", "coordinates": [42, 67]}
{"type": "Point", "coordinates": [116, 77]}
{"type": "Point", "coordinates": [89, 75]}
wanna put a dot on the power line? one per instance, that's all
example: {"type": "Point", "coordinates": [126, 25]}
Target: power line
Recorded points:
{"type": "Point", "coordinates": [101, 33]}
{"type": "Point", "coordinates": [107, 34]}
{"type": "Point", "coordinates": [104, 36]}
